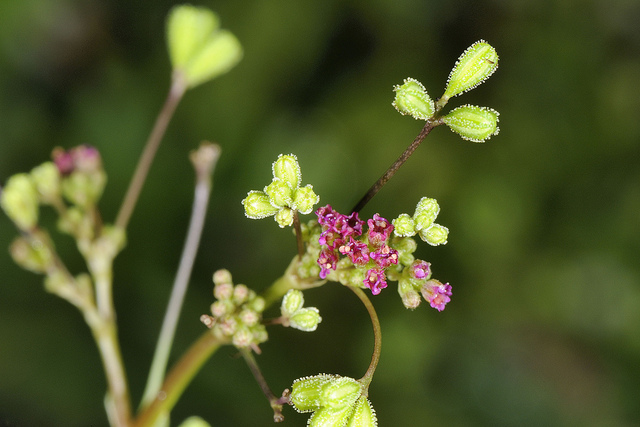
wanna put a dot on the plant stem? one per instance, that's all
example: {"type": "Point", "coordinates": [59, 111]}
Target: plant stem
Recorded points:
{"type": "Point", "coordinates": [396, 165]}
{"type": "Point", "coordinates": [204, 161]}
{"type": "Point", "coordinates": [296, 226]}
{"type": "Point", "coordinates": [179, 378]}
{"type": "Point", "coordinates": [177, 90]}
{"type": "Point", "coordinates": [274, 401]}
{"type": "Point", "coordinates": [190, 363]}
{"type": "Point", "coordinates": [377, 336]}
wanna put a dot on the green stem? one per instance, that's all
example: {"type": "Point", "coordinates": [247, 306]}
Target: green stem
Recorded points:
{"type": "Point", "coordinates": [177, 90]}
{"type": "Point", "coordinates": [204, 161]}
{"type": "Point", "coordinates": [179, 378]}
{"type": "Point", "coordinates": [377, 336]}
{"type": "Point", "coordinates": [190, 363]}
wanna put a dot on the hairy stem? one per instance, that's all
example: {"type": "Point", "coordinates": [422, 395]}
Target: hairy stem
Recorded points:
{"type": "Point", "coordinates": [178, 87]}
{"type": "Point", "coordinates": [204, 161]}
{"type": "Point", "coordinates": [396, 165]}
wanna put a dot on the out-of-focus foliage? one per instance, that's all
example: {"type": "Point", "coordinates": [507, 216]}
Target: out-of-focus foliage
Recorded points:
{"type": "Point", "coordinates": [544, 323]}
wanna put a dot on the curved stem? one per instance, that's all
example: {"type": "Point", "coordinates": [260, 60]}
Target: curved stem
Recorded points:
{"type": "Point", "coordinates": [396, 165]}
{"type": "Point", "coordinates": [177, 90]}
{"type": "Point", "coordinates": [377, 336]}
{"type": "Point", "coordinates": [179, 378]}
{"type": "Point", "coordinates": [274, 401]}
{"type": "Point", "coordinates": [204, 161]}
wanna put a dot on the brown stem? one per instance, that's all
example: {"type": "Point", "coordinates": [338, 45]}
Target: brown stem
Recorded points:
{"type": "Point", "coordinates": [274, 401]}
{"type": "Point", "coordinates": [178, 87]}
{"type": "Point", "coordinates": [395, 166]}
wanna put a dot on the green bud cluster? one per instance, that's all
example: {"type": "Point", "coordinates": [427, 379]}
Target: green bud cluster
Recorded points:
{"type": "Point", "coordinates": [283, 196]}
{"type": "Point", "coordinates": [472, 123]}
{"type": "Point", "coordinates": [308, 267]}
{"type": "Point", "coordinates": [295, 315]}
{"type": "Point", "coordinates": [198, 48]}
{"type": "Point", "coordinates": [237, 314]}
{"type": "Point", "coordinates": [334, 401]}
{"type": "Point", "coordinates": [422, 223]}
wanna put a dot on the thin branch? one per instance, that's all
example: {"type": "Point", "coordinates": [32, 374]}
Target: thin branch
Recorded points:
{"type": "Point", "coordinates": [377, 335]}
{"type": "Point", "coordinates": [178, 87]}
{"type": "Point", "coordinates": [274, 401]}
{"type": "Point", "coordinates": [204, 161]}
{"type": "Point", "coordinates": [395, 166]}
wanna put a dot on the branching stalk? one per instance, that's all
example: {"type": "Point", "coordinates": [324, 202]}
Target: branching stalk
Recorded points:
{"type": "Point", "coordinates": [377, 336]}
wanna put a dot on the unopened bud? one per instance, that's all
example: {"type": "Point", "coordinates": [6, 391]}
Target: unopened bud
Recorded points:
{"type": "Point", "coordinates": [256, 205]}
{"type": "Point", "coordinates": [32, 253]}
{"type": "Point", "coordinates": [473, 67]}
{"type": "Point", "coordinates": [292, 302]}
{"type": "Point", "coordinates": [306, 393]}
{"type": "Point", "coordinates": [304, 199]}
{"type": "Point", "coordinates": [412, 99]}
{"type": "Point", "coordinates": [305, 319]}
{"type": "Point", "coordinates": [222, 276]}
{"type": "Point", "coordinates": [287, 169]}
{"type": "Point", "coordinates": [197, 47]}
{"type": "Point", "coordinates": [435, 235]}
{"type": "Point", "coordinates": [19, 200]}
{"type": "Point", "coordinates": [403, 226]}
{"type": "Point", "coordinates": [473, 123]}
{"type": "Point", "coordinates": [280, 193]}
{"type": "Point", "coordinates": [426, 212]}
{"type": "Point", "coordinates": [46, 178]}
{"type": "Point", "coordinates": [284, 217]}
{"type": "Point", "coordinates": [363, 414]}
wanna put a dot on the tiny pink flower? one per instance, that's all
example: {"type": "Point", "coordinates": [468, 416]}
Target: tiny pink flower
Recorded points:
{"type": "Point", "coordinates": [436, 293]}
{"type": "Point", "coordinates": [357, 251]}
{"type": "Point", "coordinates": [420, 269]}
{"type": "Point", "coordinates": [379, 230]}
{"type": "Point", "coordinates": [384, 256]}
{"type": "Point", "coordinates": [375, 280]}
{"type": "Point", "coordinates": [327, 262]}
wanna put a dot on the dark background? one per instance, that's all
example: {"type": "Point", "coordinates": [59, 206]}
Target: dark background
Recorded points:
{"type": "Point", "coordinates": [544, 326]}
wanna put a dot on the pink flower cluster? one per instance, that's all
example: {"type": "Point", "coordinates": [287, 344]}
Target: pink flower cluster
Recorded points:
{"type": "Point", "coordinates": [340, 237]}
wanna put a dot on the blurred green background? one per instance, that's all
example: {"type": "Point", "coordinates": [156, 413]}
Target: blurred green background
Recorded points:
{"type": "Point", "coordinates": [544, 326]}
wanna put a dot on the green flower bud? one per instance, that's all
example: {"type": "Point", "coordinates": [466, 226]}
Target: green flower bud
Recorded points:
{"type": "Point", "coordinates": [249, 317]}
{"type": "Point", "coordinates": [46, 178]}
{"type": "Point", "coordinates": [84, 189]}
{"type": "Point", "coordinates": [292, 302]}
{"type": "Point", "coordinates": [197, 47]}
{"type": "Point", "coordinates": [19, 200]}
{"type": "Point", "coordinates": [473, 123]}
{"type": "Point", "coordinates": [260, 334]}
{"type": "Point", "coordinates": [256, 304]}
{"type": "Point", "coordinates": [404, 226]}
{"type": "Point", "coordinates": [306, 393]}
{"type": "Point", "coordinates": [280, 193]}
{"type": "Point", "coordinates": [194, 422]}
{"type": "Point", "coordinates": [304, 199]}
{"type": "Point", "coordinates": [284, 217]}
{"type": "Point", "coordinates": [473, 67]}
{"type": "Point", "coordinates": [405, 246]}
{"type": "Point", "coordinates": [426, 212]}
{"type": "Point", "coordinates": [410, 297]}
{"type": "Point", "coordinates": [412, 99]}
{"type": "Point", "coordinates": [326, 417]}
{"type": "Point", "coordinates": [341, 392]}
{"type": "Point", "coordinates": [363, 414]}
{"type": "Point", "coordinates": [287, 169]}
{"type": "Point", "coordinates": [256, 205]}
{"type": "Point", "coordinates": [222, 276]}
{"type": "Point", "coordinates": [242, 337]}
{"type": "Point", "coordinates": [435, 235]}
{"type": "Point", "coordinates": [305, 319]}
{"type": "Point", "coordinates": [240, 294]}
{"type": "Point", "coordinates": [33, 253]}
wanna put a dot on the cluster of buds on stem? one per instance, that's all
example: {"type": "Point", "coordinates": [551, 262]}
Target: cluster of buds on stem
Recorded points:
{"type": "Point", "coordinates": [284, 196]}
{"type": "Point", "coordinates": [237, 313]}
{"type": "Point", "coordinates": [334, 401]}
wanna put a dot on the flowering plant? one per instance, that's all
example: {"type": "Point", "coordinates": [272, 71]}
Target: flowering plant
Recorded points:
{"type": "Point", "coordinates": [332, 246]}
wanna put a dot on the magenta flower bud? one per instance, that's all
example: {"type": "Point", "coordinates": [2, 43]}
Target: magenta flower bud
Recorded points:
{"type": "Point", "coordinates": [420, 269]}
{"type": "Point", "coordinates": [436, 293]}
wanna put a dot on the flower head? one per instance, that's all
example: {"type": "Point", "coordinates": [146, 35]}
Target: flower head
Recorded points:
{"type": "Point", "coordinates": [379, 230]}
{"type": "Point", "coordinates": [375, 280]}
